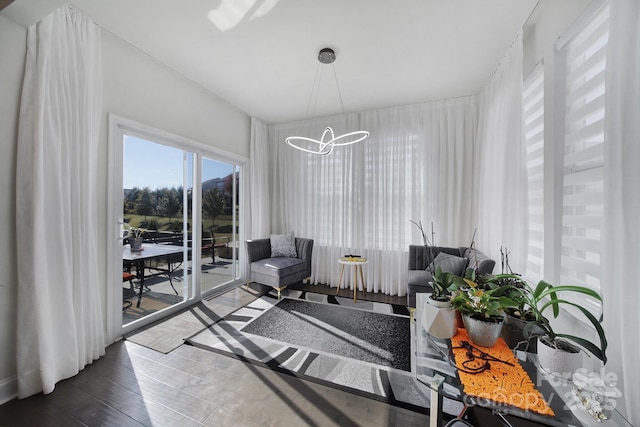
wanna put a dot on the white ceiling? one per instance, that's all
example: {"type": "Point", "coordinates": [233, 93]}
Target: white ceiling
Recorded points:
{"type": "Point", "coordinates": [261, 55]}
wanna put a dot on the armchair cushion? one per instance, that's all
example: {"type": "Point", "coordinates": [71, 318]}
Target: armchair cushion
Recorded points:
{"type": "Point", "coordinates": [283, 245]}
{"type": "Point", "coordinates": [279, 267]}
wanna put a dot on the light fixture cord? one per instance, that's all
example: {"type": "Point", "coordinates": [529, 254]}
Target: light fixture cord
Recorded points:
{"type": "Point", "coordinates": [315, 90]}
{"type": "Point", "coordinates": [335, 76]}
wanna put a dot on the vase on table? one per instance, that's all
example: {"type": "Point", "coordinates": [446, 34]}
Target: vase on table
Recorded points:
{"type": "Point", "coordinates": [135, 243]}
{"type": "Point", "coordinates": [484, 333]}
{"type": "Point", "coordinates": [439, 318]}
{"type": "Point", "coordinates": [559, 358]}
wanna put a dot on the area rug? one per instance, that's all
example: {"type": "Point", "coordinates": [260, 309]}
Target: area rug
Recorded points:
{"type": "Point", "coordinates": [329, 340]}
{"type": "Point", "coordinates": [377, 338]}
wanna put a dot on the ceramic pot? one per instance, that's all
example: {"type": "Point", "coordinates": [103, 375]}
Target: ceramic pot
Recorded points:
{"type": "Point", "coordinates": [559, 362]}
{"type": "Point", "coordinates": [482, 333]}
{"type": "Point", "coordinates": [135, 244]}
{"type": "Point", "coordinates": [439, 319]}
{"type": "Point", "coordinates": [513, 334]}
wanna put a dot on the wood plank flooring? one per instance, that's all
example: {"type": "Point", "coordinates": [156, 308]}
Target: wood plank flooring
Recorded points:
{"type": "Point", "coordinates": [135, 386]}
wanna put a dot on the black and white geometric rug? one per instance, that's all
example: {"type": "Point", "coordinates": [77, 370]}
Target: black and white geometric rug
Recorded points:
{"type": "Point", "coordinates": [364, 348]}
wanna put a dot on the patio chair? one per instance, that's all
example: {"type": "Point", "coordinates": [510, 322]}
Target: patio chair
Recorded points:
{"type": "Point", "coordinates": [127, 293]}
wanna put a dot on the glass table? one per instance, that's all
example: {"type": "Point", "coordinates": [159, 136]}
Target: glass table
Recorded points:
{"type": "Point", "coordinates": [434, 370]}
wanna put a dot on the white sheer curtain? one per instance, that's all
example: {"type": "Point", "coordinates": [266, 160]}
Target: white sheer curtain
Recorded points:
{"type": "Point", "coordinates": [501, 184]}
{"type": "Point", "coordinates": [621, 225]}
{"type": "Point", "coordinates": [416, 165]}
{"type": "Point", "coordinates": [259, 159]}
{"type": "Point", "coordinates": [60, 322]}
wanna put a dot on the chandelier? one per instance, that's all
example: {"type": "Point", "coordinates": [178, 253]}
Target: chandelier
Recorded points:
{"type": "Point", "coordinates": [328, 141]}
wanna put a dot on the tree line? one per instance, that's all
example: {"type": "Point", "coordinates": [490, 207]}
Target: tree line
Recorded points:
{"type": "Point", "coordinates": [167, 202]}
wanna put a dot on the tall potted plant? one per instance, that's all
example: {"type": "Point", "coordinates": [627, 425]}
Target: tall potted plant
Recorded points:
{"type": "Point", "coordinates": [135, 237]}
{"type": "Point", "coordinates": [559, 353]}
{"type": "Point", "coordinates": [439, 316]}
{"type": "Point", "coordinates": [482, 311]}
{"type": "Point", "coordinates": [515, 288]}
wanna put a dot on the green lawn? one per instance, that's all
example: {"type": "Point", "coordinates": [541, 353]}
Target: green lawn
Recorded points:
{"type": "Point", "coordinates": [162, 224]}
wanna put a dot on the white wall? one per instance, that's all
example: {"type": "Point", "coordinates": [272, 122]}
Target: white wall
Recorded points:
{"type": "Point", "coordinates": [12, 57]}
{"type": "Point", "coordinates": [135, 86]}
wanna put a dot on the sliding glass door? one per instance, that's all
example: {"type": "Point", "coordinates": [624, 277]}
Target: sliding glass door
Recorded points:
{"type": "Point", "coordinates": [220, 183]}
{"type": "Point", "coordinates": [157, 206]}
{"type": "Point", "coordinates": [184, 201]}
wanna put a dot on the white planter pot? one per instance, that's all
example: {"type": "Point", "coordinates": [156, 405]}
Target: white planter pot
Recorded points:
{"type": "Point", "coordinates": [557, 362]}
{"type": "Point", "coordinates": [484, 334]}
{"type": "Point", "coordinates": [439, 319]}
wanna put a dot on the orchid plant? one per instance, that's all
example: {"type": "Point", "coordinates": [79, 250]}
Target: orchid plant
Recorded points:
{"type": "Point", "coordinates": [133, 232]}
{"type": "Point", "coordinates": [481, 304]}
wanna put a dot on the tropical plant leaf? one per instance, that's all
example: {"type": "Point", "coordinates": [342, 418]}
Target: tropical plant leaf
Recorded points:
{"type": "Point", "coordinates": [587, 345]}
{"type": "Point", "coordinates": [601, 353]}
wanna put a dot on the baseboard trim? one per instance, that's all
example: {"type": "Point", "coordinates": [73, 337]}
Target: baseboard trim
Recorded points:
{"type": "Point", "coordinates": [8, 389]}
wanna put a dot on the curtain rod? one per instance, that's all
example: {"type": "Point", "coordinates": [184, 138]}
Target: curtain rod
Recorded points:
{"type": "Point", "coordinates": [533, 9]}
{"type": "Point", "coordinates": [582, 19]}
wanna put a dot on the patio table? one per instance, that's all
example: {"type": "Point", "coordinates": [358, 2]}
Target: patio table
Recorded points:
{"type": "Point", "coordinates": [152, 251]}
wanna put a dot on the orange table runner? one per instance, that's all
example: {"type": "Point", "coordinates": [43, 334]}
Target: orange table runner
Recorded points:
{"type": "Point", "coordinates": [501, 383]}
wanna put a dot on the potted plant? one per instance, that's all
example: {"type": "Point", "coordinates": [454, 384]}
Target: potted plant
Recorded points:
{"type": "Point", "coordinates": [516, 317]}
{"type": "Point", "coordinates": [559, 353]}
{"type": "Point", "coordinates": [482, 310]}
{"type": "Point", "coordinates": [134, 236]}
{"type": "Point", "coordinates": [439, 316]}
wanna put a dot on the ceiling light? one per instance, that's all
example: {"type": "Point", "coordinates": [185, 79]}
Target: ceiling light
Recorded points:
{"type": "Point", "coordinates": [328, 141]}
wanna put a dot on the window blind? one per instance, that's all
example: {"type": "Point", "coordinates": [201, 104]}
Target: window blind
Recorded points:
{"type": "Point", "coordinates": [533, 109]}
{"type": "Point", "coordinates": [582, 204]}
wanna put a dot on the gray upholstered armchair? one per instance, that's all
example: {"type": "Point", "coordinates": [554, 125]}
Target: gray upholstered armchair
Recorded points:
{"type": "Point", "coordinates": [278, 271]}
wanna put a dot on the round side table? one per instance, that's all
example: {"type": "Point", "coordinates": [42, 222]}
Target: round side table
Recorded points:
{"type": "Point", "coordinates": [357, 264]}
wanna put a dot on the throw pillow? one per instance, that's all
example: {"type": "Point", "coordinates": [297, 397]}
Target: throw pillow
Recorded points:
{"type": "Point", "coordinates": [283, 245]}
{"type": "Point", "coordinates": [449, 264]}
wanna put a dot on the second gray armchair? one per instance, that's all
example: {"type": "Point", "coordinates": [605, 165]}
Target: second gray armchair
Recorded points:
{"type": "Point", "coordinates": [275, 269]}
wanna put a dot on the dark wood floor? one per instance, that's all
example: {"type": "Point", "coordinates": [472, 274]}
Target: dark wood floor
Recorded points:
{"type": "Point", "coordinates": [134, 386]}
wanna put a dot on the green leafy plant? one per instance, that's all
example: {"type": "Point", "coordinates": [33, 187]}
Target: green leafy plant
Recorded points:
{"type": "Point", "coordinates": [546, 296]}
{"type": "Point", "coordinates": [482, 303]}
{"type": "Point", "coordinates": [516, 289]}
{"type": "Point", "coordinates": [443, 283]}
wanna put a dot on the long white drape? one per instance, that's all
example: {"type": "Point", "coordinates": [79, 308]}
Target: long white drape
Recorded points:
{"type": "Point", "coordinates": [621, 216]}
{"type": "Point", "coordinates": [501, 184]}
{"type": "Point", "coordinates": [260, 206]}
{"type": "Point", "coordinates": [417, 164]}
{"type": "Point", "coordinates": [60, 323]}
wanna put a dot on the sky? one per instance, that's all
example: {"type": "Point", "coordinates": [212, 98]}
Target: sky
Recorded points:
{"type": "Point", "coordinates": [148, 164]}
